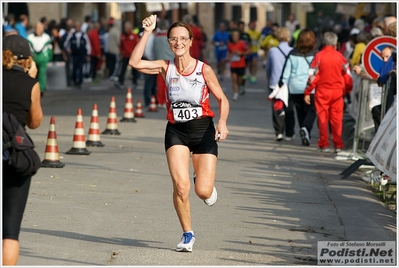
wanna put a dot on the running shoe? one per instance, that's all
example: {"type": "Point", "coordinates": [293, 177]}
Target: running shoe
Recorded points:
{"type": "Point", "coordinates": [337, 150]}
{"type": "Point", "coordinates": [324, 150]}
{"type": "Point", "coordinates": [235, 96]}
{"type": "Point", "coordinates": [290, 138]}
{"type": "Point", "coordinates": [213, 198]}
{"type": "Point", "coordinates": [241, 90]}
{"type": "Point", "coordinates": [186, 243]}
{"type": "Point", "coordinates": [279, 137]}
{"type": "Point", "coordinates": [252, 80]}
{"type": "Point", "coordinates": [305, 136]}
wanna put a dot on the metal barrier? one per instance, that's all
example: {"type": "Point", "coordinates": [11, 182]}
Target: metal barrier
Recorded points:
{"type": "Point", "coordinates": [364, 127]}
{"type": "Point", "coordinates": [360, 110]}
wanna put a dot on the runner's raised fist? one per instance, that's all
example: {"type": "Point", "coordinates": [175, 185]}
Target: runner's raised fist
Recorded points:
{"type": "Point", "coordinates": [149, 23]}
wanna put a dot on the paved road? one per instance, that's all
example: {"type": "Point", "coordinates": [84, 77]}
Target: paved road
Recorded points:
{"type": "Point", "coordinates": [114, 206]}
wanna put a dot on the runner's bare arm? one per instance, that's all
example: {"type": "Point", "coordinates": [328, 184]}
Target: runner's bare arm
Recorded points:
{"type": "Point", "coordinates": [136, 61]}
{"type": "Point", "coordinates": [224, 107]}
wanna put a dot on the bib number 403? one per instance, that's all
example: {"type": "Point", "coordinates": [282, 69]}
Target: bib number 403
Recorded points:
{"type": "Point", "coordinates": [187, 114]}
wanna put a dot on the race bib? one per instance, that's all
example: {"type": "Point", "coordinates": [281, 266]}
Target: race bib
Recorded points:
{"type": "Point", "coordinates": [235, 58]}
{"type": "Point", "coordinates": [184, 111]}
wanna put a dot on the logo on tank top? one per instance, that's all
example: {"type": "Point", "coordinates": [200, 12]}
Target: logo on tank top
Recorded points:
{"type": "Point", "coordinates": [195, 82]}
{"type": "Point", "coordinates": [173, 81]}
{"type": "Point", "coordinates": [198, 73]}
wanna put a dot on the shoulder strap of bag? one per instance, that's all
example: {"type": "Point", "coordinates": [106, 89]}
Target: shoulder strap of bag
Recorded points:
{"type": "Point", "coordinates": [306, 59]}
{"type": "Point", "coordinates": [282, 52]}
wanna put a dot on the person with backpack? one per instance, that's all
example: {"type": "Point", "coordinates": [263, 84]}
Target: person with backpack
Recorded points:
{"type": "Point", "coordinates": [274, 66]}
{"type": "Point", "coordinates": [77, 44]}
{"type": "Point", "coordinates": [295, 76]}
{"type": "Point", "coordinates": [21, 98]}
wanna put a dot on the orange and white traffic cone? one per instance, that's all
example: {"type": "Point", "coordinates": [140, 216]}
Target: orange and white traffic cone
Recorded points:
{"type": "Point", "coordinates": [79, 144]}
{"type": "Point", "coordinates": [153, 105]}
{"type": "Point", "coordinates": [139, 109]}
{"type": "Point", "coordinates": [112, 123]}
{"type": "Point", "coordinates": [51, 155]}
{"type": "Point", "coordinates": [128, 115]}
{"type": "Point", "coordinates": [94, 131]}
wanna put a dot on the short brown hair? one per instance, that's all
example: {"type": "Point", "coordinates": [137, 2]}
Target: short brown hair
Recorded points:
{"type": "Point", "coordinates": [306, 41]}
{"type": "Point", "coordinates": [180, 24]}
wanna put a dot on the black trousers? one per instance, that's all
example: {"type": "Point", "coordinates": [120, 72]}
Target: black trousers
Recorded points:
{"type": "Point", "coordinates": [306, 114]}
{"type": "Point", "coordinates": [93, 66]}
{"type": "Point", "coordinates": [77, 67]}
{"type": "Point", "coordinates": [135, 73]}
{"type": "Point", "coordinates": [15, 196]}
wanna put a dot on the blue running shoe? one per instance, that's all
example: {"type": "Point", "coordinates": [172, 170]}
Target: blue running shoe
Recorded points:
{"type": "Point", "coordinates": [186, 243]}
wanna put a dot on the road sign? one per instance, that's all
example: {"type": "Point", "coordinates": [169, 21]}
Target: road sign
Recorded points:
{"type": "Point", "coordinates": [371, 59]}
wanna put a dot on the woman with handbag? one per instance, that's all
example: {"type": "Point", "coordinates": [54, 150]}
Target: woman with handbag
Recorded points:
{"type": "Point", "coordinates": [21, 97]}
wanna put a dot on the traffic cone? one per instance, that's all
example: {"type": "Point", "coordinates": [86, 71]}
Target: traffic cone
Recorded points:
{"type": "Point", "coordinates": [153, 105]}
{"type": "Point", "coordinates": [139, 109]}
{"type": "Point", "coordinates": [128, 115]}
{"type": "Point", "coordinates": [112, 123]}
{"type": "Point", "coordinates": [51, 156]}
{"type": "Point", "coordinates": [79, 144]}
{"type": "Point", "coordinates": [94, 131]}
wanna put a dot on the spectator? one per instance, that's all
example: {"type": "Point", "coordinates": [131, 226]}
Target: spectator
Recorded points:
{"type": "Point", "coordinates": [386, 54]}
{"type": "Point", "coordinates": [45, 23]}
{"type": "Point", "coordinates": [95, 55]}
{"type": "Point", "coordinates": [21, 97]}
{"type": "Point", "coordinates": [64, 33]}
{"type": "Point", "coordinates": [109, 59]}
{"type": "Point", "coordinates": [58, 46]}
{"type": "Point", "coordinates": [220, 40]}
{"type": "Point", "coordinates": [22, 25]}
{"type": "Point", "coordinates": [86, 25]}
{"type": "Point", "coordinates": [274, 67]}
{"type": "Point", "coordinates": [113, 50]}
{"type": "Point", "coordinates": [295, 35]}
{"type": "Point", "coordinates": [162, 51]}
{"type": "Point", "coordinates": [295, 76]}
{"type": "Point", "coordinates": [291, 23]}
{"type": "Point", "coordinates": [330, 82]}
{"type": "Point", "coordinates": [101, 32]}
{"type": "Point", "coordinates": [42, 48]}
{"type": "Point", "coordinates": [237, 49]}
{"type": "Point", "coordinates": [252, 59]}
{"type": "Point", "coordinates": [343, 40]}
{"type": "Point", "coordinates": [128, 41]}
{"type": "Point", "coordinates": [9, 25]}
{"type": "Point", "coordinates": [360, 46]}
{"type": "Point", "coordinates": [387, 21]}
{"type": "Point", "coordinates": [197, 45]}
{"type": "Point", "coordinates": [78, 46]}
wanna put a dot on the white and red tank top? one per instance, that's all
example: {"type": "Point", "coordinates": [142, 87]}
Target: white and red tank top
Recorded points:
{"type": "Point", "coordinates": [187, 95]}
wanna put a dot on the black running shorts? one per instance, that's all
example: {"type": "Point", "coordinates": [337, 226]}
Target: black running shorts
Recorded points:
{"type": "Point", "coordinates": [198, 135]}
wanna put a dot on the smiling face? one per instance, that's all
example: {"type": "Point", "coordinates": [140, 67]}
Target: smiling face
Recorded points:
{"type": "Point", "coordinates": [179, 40]}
